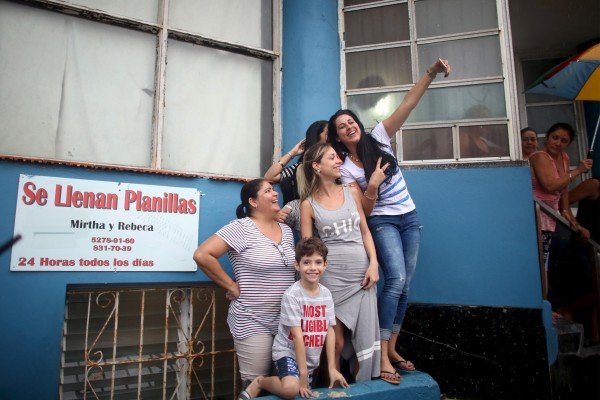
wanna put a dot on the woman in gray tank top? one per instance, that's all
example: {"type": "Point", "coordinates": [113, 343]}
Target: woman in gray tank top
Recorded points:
{"type": "Point", "coordinates": [336, 212]}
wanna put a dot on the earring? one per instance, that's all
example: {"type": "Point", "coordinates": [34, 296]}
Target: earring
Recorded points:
{"type": "Point", "coordinates": [318, 171]}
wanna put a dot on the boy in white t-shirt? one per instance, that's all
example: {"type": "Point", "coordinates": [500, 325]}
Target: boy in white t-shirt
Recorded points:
{"type": "Point", "coordinates": [305, 326]}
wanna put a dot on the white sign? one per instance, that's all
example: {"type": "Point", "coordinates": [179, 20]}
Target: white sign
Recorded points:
{"type": "Point", "coordinates": [82, 225]}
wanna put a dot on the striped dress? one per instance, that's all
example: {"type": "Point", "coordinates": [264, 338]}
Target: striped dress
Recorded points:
{"type": "Point", "coordinates": [264, 269]}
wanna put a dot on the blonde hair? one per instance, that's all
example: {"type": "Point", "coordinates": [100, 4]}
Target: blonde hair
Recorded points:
{"type": "Point", "coordinates": [307, 178]}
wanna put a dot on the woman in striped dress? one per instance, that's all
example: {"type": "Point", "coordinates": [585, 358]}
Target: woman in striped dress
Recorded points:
{"type": "Point", "coordinates": [261, 252]}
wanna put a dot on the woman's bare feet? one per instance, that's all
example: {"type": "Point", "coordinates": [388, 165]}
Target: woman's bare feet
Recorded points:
{"type": "Point", "coordinates": [399, 362]}
{"type": "Point", "coordinates": [386, 363]}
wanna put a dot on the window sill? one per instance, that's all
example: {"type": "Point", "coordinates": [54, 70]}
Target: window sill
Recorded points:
{"type": "Point", "coordinates": [120, 168]}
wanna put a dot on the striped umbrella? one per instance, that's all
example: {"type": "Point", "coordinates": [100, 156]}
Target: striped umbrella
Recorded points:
{"type": "Point", "coordinates": [577, 78]}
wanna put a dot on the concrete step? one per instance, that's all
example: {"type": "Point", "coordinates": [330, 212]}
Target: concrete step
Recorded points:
{"type": "Point", "coordinates": [590, 350]}
{"type": "Point", "coordinates": [577, 367]}
{"type": "Point", "coordinates": [413, 385]}
{"type": "Point", "coordinates": [570, 336]}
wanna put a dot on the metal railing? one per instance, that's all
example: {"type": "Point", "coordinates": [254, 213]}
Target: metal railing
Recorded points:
{"type": "Point", "coordinates": [593, 249]}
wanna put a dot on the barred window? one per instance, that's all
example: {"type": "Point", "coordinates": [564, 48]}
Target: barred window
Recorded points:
{"type": "Point", "coordinates": [150, 343]}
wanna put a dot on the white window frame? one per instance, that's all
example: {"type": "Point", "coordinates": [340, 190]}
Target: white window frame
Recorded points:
{"type": "Point", "coordinates": [508, 80]}
{"type": "Point", "coordinates": [163, 33]}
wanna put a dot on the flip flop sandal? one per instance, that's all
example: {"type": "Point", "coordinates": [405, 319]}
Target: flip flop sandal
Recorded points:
{"type": "Point", "coordinates": [404, 365]}
{"type": "Point", "coordinates": [394, 381]}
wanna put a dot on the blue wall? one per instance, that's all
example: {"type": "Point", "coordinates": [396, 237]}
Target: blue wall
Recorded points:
{"type": "Point", "coordinates": [478, 244]}
{"type": "Point", "coordinates": [33, 302]}
{"type": "Point", "coordinates": [311, 66]}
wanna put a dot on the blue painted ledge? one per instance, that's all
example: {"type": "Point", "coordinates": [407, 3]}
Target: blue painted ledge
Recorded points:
{"type": "Point", "coordinates": [414, 385]}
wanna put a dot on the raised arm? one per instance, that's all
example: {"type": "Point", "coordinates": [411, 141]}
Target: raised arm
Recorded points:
{"type": "Point", "coordinates": [207, 258]}
{"type": "Point", "coordinates": [543, 169]}
{"type": "Point", "coordinates": [372, 274]}
{"type": "Point", "coordinates": [395, 121]}
{"type": "Point", "coordinates": [274, 172]}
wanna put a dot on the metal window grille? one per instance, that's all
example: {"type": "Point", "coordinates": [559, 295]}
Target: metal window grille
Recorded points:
{"type": "Point", "coordinates": [151, 343]}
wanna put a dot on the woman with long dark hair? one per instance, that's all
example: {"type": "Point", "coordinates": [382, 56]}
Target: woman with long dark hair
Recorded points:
{"type": "Point", "coordinates": [286, 175]}
{"type": "Point", "coordinates": [370, 164]}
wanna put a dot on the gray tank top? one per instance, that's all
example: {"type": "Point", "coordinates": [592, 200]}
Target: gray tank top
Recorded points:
{"type": "Point", "coordinates": [339, 226]}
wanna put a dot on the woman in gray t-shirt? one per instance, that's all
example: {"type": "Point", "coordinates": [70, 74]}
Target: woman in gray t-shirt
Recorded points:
{"type": "Point", "coordinates": [336, 212]}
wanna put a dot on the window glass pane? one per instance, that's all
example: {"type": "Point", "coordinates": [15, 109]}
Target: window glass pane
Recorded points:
{"type": "Point", "coordinates": [56, 98]}
{"type": "Point", "coordinates": [378, 68]}
{"type": "Point", "coordinates": [483, 141]}
{"type": "Point", "coordinates": [438, 104]}
{"type": "Point", "coordinates": [442, 17]}
{"type": "Point", "coordinates": [218, 112]}
{"type": "Point", "coordinates": [377, 25]}
{"type": "Point", "coordinates": [375, 107]}
{"type": "Point", "coordinates": [244, 22]}
{"type": "Point", "coordinates": [541, 118]}
{"type": "Point", "coordinates": [146, 10]}
{"type": "Point", "coordinates": [471, 58]}
{"type": "Point", "coordinates": [427, 144]}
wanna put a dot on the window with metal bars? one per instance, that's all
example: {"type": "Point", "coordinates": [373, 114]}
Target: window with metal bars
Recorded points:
{"type": "Point", "coordinates": [150, 343]}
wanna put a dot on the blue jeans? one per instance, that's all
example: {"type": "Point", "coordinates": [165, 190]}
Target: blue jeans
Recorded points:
{"type": "Point", "coordinates": [397, 239]}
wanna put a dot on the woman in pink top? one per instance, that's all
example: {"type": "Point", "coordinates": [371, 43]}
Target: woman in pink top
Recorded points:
{"type": "Point", "coordinates": [551, 178]}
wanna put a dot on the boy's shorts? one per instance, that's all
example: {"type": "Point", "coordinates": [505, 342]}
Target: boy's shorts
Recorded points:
{"type": "Point", "coordinates": [286, 366]}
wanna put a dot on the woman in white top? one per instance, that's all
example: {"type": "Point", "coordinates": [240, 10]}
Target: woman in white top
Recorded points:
{"type": "Point", "coordinates": [393, 220]}
{"type": "Point", "coordinates": [261, 252]}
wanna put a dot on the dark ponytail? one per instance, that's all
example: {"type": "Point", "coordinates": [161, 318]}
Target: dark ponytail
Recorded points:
{"type": "Point", "coordinates": [239, 211]}
{"type": "Point", "coordinates": [249, 191]}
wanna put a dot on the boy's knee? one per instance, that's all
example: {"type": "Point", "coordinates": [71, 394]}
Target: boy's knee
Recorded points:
{"type": "Point", "coordinates": [290, 388]}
